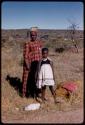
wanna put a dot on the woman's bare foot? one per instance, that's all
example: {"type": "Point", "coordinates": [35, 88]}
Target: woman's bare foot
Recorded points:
{"type": "Point", "coordinates": [45, 99]}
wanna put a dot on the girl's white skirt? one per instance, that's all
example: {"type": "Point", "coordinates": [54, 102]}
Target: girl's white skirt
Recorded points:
{"type": "Point", "coordinates": [45, 76]}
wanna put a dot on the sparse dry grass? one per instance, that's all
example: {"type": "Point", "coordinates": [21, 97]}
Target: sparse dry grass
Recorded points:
{"type": "Point", "coordinates": [67, 66]}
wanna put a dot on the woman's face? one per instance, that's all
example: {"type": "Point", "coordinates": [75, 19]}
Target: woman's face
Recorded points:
{"type": "Point", "coordinates": [33, 36]}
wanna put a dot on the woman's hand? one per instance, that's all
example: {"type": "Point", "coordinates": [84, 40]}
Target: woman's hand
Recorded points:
{"type": "Point", "coordinates": [28, 66]}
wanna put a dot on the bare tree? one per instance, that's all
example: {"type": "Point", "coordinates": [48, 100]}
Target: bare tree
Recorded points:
{"type": "Point", "coordinates": [72, 33]}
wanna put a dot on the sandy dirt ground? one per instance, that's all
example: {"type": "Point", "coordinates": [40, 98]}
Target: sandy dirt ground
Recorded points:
{"type": "Point", "coordinates": [75, 116]}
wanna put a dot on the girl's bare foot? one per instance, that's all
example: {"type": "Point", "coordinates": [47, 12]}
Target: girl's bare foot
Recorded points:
{"type": "Point", "coordinates": [55, 101]}
{"type": "Point", "coordinates": [39, 100]}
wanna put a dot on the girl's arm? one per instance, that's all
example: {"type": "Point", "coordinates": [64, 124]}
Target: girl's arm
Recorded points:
{"type": "Point", "coordinates": [51, 63]}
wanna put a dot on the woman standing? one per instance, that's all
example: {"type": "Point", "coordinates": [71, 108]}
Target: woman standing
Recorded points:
{"type": "Point", "coordinates": [32, 55]}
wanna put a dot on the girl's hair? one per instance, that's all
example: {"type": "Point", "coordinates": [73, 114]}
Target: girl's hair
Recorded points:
{"type": "Point", "coordinates": [44, 49]}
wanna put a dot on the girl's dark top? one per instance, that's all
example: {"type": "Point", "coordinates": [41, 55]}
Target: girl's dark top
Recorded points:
{"type": "Point", "coordinates": [45, 62]}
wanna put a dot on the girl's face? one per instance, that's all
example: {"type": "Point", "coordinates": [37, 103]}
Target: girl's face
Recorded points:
{"type": "Point", "coordinates": [44, 54]}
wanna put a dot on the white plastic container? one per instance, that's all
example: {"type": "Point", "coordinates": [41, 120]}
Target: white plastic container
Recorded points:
{"type": "Point", "coordinates": [33, 106]}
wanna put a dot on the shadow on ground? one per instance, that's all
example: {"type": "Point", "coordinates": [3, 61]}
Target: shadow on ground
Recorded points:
{"type": "Point", "coordinates": [16, 83]}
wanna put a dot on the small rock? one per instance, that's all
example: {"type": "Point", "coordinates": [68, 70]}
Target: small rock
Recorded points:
{"type": "Point", "coordinates": [17, 109]}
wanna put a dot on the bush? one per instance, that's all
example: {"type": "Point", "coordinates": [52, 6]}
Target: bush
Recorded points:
{"type": "Point", "coordinates": [59, 50]}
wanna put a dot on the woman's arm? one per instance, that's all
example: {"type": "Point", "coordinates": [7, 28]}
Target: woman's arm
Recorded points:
{"type": "Point", "coordinates": [26, 55]}
{"type": "Point", "coordinates": [38, 70]}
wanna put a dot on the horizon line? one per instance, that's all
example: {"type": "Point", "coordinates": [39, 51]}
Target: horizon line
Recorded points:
{"type": "Point", "coordinates": [38, 29]}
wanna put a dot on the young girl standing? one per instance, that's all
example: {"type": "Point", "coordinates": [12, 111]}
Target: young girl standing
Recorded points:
{"type": "Point", "coordinates": [46, 74]}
